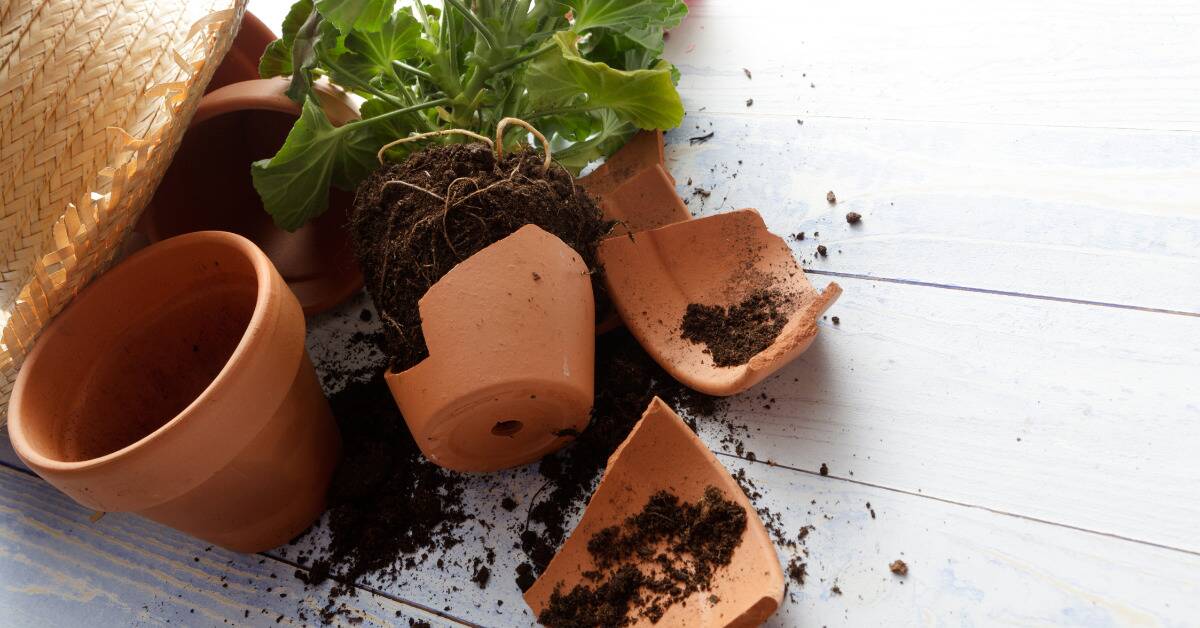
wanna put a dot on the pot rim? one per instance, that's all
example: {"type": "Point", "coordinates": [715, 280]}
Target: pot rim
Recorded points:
{"type": "Point", "coordinates": [125, 271]}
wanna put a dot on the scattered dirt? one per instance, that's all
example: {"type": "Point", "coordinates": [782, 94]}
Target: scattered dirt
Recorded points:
{"type": "Point", "coordinates": [798, 236]}
{"type": "Point", "coordinates": [654, 560]}
{"type": "Point", "coordinates": [413, 222]}
{"type": "Point", "coordinates": [700, 139]}
{"type": "Point", "coordinates": [853, 218]}
{"type": "Point", "coordinates": [836, 320]}
{"type": "Point", "coordinates": [749, 102]}
{"type": "Point", "coordinates": [732, 335]}
{"type": "Point", "coordinates": [746, 71]}
{"type": "Point", "coordinates": [626, 380]}
{"type": "Point", "coordinates": [824, 469]}
{"type": "Point", "coordinates": [899, 567]}
{"type": "Point", "coordinates": [822, 251]}
{"type": "Point", "coordinates": [797, 570]}
{"type": "Point", "coordinates": [831, 197]}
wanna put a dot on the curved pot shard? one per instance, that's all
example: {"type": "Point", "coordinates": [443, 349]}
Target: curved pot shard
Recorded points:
{"type": "Point", "coordinates": [510, 332]}
{"type": "Point", "coordinates": [646, 200]}
{"type": "Point", "coordinates": [643, 150]}
{"type": "Point", "coordinates": [661, 453]}
{"type": "Point", "coordinates": [176, 386]}
{"type": "Point", "coordinates": [720, 260]}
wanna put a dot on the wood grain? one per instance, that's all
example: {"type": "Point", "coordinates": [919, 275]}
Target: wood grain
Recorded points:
{"type": "Point", "coordinates": [1092, 63]}
{"type": "Point", "coordinates": [57, 568]}
{"type": "Point", "coordinates": [1107, 216]}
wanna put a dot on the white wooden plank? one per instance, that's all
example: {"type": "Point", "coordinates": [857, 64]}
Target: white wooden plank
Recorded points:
{"type": "Point", "coordinates": [57, 568]}
{"type": "Point", "coordinates": [1080, 415]}
{"type": "Point", "coordinates": [1110, 216]}
{"type": "Point", "coordinates": [1072, 63]}
{"type": "Point", "coordinates": [967, 566]}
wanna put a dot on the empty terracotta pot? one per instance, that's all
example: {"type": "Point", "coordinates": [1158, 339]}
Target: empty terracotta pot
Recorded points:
{"type": "Point", "coordinates": [241, 62]}
{"type": "Point", "coordinates": [177, 386]}
{"type": "Point", "coordinates": [208, 187]}
{"type": "Point", "coordinates": [661, 453]}
{"type": "Point", "coordinates": [510, 332]}
{"type": "Point", "coordinates": [653, 276]}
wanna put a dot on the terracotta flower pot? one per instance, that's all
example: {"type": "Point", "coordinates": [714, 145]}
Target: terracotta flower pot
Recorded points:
{"type": "Point", "coordinates": [177, 386]}
{"type": "Point", "coordinates": [718, 260]}
{"type": "Point", "coordinates": [661, 453]}
{"type": "Point", "coordinates": [208, 187]}
{"type": "Point", "coordinates": [511, 356]}
{"type": "Point", "coordinates": [241, 62]}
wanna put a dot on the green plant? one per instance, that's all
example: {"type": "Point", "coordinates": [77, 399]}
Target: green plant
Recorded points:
{"type": "Point", "coordinates": [588, 82]}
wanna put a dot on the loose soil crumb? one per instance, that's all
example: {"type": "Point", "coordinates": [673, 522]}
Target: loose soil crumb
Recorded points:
{"type": "Point", "coordinates": [899, 567]}
{"type": "Point", "coordinates": [835, 589]}
{"type": "Point", "coordinates": [700, 139]}
{"type": "Point", "coordinates": [652, 561]}
{"type": "Point", "coordinates": [737, 333]}
{"type": "Point", "coordinates": [831, 198]}
{"type": "Point", "coordinates": [746, 71]}
{"type": "Point", "coordinates": [749, 102]}
{"type": "Point", "coordinates": [853, 218]}
{"type": "Point", "coordinates": [412, 222]}
{"type": "Point", "coordinates": [836, 320]}
{"type": "Point", "coordinates": [822, 251]}
{"type": "Point", "coordinates": [824, 469]}
{"type": "Point", "coordinates": [797, 570]}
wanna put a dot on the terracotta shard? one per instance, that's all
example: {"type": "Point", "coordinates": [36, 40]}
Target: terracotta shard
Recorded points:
{"type": "Point", "coordinates": [510, 332]}
{"type": "Point", "coordinates": [719, 260]}
{"type": "Point", "coordinates": [661, 453]}
{"type": "Point", "coordinates": [646, 200]}
{"type": "Point", "coordinates": [643, 150]}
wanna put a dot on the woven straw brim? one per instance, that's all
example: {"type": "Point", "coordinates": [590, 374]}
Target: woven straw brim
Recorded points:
{"type": "Point", "coordinates": [94, 98]}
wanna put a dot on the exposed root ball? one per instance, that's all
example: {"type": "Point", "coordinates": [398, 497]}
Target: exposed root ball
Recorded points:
{"type": "Point", "coordinates": [412, 222]}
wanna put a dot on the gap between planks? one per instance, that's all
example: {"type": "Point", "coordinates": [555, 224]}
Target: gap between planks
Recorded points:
{"type": "Point", "coordinates": [962, 504]}
{"type": "Point", "coordinates": [1003, 293]}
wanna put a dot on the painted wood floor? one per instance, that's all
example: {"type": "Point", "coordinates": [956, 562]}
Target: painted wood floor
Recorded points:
{"type": "Point", "coordinates": [1014, 385]}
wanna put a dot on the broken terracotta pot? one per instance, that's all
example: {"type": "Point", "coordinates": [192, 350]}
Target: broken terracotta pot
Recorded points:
{"type": "Point", "coordinates": [644, 150]}
{"type": "Point", "coordinates": [661, 453]}
{"type": "Point", "coordinates": [510, 332]}
{"type": "Point", "coordinates": [634, 188]}
{"type": "Point", "coordinates": [652, 276]}
{"type": "Point", "coordinates": [208, 187]}
{"type": "Point", "coordinates": [646, 200]}
{"type": "Point", "coordinates": [241, 62]}
{"type": "Point", "coordinates": [177, 386]}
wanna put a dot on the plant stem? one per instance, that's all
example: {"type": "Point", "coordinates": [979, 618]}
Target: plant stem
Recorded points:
{"type": "Point", "coordinates": [522, 58]}
{"type": "Point", "coordinates": [397, 112]}
{"type": "Point", "coordinates": [412, 70]}
{"type": "Point", "coordinates": [473, 19]}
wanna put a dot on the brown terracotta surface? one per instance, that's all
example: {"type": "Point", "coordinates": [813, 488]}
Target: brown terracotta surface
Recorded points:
{"type": "Point", "coordinates": [208, 187]}
{"type": "Point", "coordinates": [510, 332]}
{"type": "Point", "coordinates": [177, 386]}
{"type": "Point", "coordinates": [646, 200]}
{"type": "Point", "coordinates": [718, 260]}
{"type": "Point", "coordinates": [662, 453]}
{"type": "Point", "coordinates": [241, 62]}
{"type": "Point", "coordinates": [643, 150]}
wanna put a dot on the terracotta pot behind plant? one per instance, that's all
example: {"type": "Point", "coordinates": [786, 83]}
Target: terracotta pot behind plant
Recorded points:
{"type": "Point", "coordinates": [177, 386]}
{"type": "Point", "coordinates": [511, 356]}
{"type": "Point", "coordinates": [241, 62]}
{"type": "Point", "coordinates": [208, 187]}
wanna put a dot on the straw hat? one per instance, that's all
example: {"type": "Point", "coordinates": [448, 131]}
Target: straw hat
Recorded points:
{"type": "Point", "coordinates": [94, 98]}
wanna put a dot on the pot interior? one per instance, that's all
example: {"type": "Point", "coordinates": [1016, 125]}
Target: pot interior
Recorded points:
{"type": "Point", "coordinates": [208, 187]}
{"type": "Point", "coordinates": [134, 351]}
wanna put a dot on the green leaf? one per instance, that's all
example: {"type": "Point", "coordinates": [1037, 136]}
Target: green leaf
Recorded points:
{"type": "Point", "coordinates": [356, 15]}
{"type": "Point", "coordinates": [304, 56]}
{"type": "Point", "coordinates": [294, 184]}
{"type": "Point", "coordinates": [370, 54]}
{"type": "Point", "coordinates": [647, 98]}
{"type": "Point", "coordinates": [642, 21]}
{"type": "Point", "coordinates": [277, 60]}
{"type": "Point", "coordinates": [611, 133]}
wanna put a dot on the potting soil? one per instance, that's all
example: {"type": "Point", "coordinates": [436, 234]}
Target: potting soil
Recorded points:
{"type": "Point", "coordinates": [413, 222]}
